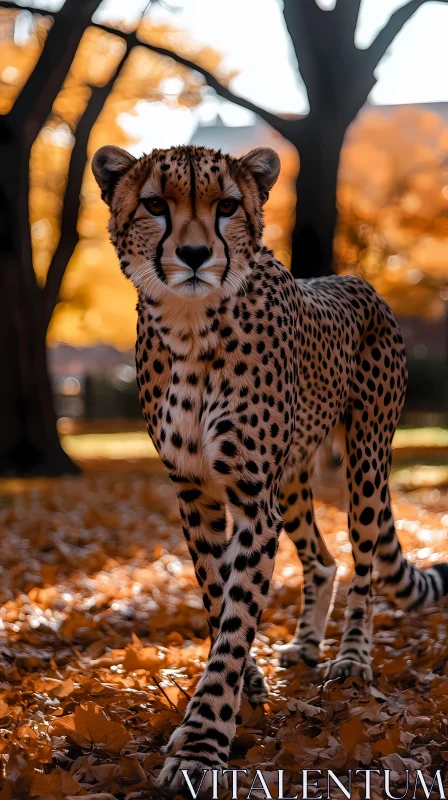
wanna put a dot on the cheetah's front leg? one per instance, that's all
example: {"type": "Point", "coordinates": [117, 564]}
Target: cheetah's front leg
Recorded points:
{"type": "Point", "coordinates": [204, 525]}
{"type": "Point", "coordinates": [204, 738]}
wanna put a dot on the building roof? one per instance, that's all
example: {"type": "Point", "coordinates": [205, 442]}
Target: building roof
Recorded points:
{"type": "Point", "coordinates": [234, 139]}
{"type": "Point", "coordinates": [237, 140]}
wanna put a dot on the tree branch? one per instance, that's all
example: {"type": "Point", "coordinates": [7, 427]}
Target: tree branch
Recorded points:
{"type": "Point", "coordinates": [392, 28]}
{"type": "Point", "coordinates": [283, 126]}
{"type": "Point", "coordinates": [35, 101]}
{"type": "Point", "coordinates": [323, 52]}
{"type": "Point", "coordinates": [72, 199]}
{"type": "Point", "coordinates": [303, 20]}
{"type": "Point", "coordinates": [348, 10]}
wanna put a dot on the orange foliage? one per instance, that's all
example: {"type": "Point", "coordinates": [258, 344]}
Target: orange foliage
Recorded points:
{"type": "Point", "coordinates": [18, 60]}
{"type": "Point", "coordinates": [393, 206]}
{"type": "Point", "coordinates": [280, 208]}
{"type": "Point", "coordinates": [104, 638]}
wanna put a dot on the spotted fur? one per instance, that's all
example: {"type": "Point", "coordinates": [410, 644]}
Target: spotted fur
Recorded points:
{"type": "Point", "coordinates": [242, 373]}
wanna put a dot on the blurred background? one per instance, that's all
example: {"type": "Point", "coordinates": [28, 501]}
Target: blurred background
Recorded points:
{"type": "Point", "coordinates": [353, 95]}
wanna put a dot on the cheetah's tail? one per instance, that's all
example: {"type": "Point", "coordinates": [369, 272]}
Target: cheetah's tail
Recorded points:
{"type": "Point", "coordinates": [406, 586]}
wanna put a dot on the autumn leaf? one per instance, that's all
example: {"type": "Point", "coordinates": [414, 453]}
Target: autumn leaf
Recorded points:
{"type": "Point", "coordinates": [77, 626]}
{"type": "Point", "coordinates": [443, 705]}
{"type": "Point", "coordinates": [94, 796]}
{"type": "Point", "coordinates": [93, 725]}
{"type": "Point", "coordinates": [55, 785]}
{"type": "Point", "coordinates": [383, 747]}
{"type": "Point", "coordinates": [352, 733]}
{"type": "Point", "coordinates": [85, 691]}
{"type": "Point", "coordinates": [396, 665]}
{"type": "Point", "coordinates": [139, 657]}
{"type": "Point", "coordinates": [4, 708]}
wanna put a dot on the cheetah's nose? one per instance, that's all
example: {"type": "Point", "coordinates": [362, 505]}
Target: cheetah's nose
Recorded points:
{"type": "Point", "coordinates": [193, 256]}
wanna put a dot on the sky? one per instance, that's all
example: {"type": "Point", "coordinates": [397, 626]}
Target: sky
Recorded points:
{"type": "Point", "coordinates": [252, 37]}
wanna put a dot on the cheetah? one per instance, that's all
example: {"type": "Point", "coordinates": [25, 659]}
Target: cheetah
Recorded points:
{"type": "Point", "coordinates": [243, 372]}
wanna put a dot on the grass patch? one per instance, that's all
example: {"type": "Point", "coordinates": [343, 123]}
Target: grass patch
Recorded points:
{"type": "Point", "coordinates": [131, 445]}
{"type": "Point", "coordinates": [421, 437]}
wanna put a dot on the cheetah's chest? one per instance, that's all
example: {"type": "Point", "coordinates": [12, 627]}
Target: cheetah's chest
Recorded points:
{"type": "Point", "coordinates": [179, 397]}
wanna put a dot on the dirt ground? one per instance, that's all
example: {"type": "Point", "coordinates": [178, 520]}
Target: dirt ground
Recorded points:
{"type": "Point", "coordinates": [102, 640]}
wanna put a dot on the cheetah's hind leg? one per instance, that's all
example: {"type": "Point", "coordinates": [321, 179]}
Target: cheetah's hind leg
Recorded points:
{"type": "Point", "coordinates": [319, 570]}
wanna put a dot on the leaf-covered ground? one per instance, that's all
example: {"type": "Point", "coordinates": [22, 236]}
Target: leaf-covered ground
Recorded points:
{"type": "Point", "coordinates": [102, 640]}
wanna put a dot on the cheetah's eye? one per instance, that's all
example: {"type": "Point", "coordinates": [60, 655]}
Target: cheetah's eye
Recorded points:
{"type": "Point", "coordinates": [227, 207]}
{"type": "Point", "coordinates": [155, 205]}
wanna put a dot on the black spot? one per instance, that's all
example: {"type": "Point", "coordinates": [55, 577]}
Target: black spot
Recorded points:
{"type": "Point", "coordinates": [176, 440]}
{"type": "Point", "coordinates": [226, 712]}
{"type": "Point", "coordinates": [228, 449]}
{"type": "Point", "coordinates": [367, 516]}
{"type": "Point", "coordinates": [194, 519]}
{"type": "Point", "coordinates": [188, 495]}
{"type": "Point", "coordinates": [232, 678]}
{"type": "Point", "coordinates": [224, 426]}
{"type": "Point", "coordinates": [240, 368]}
{"type": "Point", "coordinates": [368, 489]}
{"type": "Point", "coordinates": [237, 593]}
{"type": "Point", "coordinates": [214, 689]}
{"type": "Point", "coordinates": [250, 488]}
{"type": "Point", "coordinates": [216, 666]}
{"type": "Point", "coordinates": [240, 563]}
{"type": "Point", "coordinates": [246, 537]}
{"type": "Point", "coordinates": [231, 625]}
{"type": "Point", "coordinates": [271, 547]}
{"type": "Point", "coordinates": [205, 711]}
{"type": "Point", "coordinates": [222, 467]}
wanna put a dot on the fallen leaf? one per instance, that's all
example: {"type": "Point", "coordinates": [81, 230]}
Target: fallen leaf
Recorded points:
{"type": "Point", "coordinates": [55, 785]}
{"type": "Point", "coordinates": [95, 727]}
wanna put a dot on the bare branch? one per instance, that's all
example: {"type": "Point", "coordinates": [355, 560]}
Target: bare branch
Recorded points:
{"type": "Point", "coordinates": [348, 10]}
{"type": "Point", "coordinates": [283, 126]}
{"type": "Point", "coordinates": [377, 49]}
{"type": "Point", "coordinates": [303, 20]}
{"type": "Point", "coordinates": [36, 99]}
{"type": "Point", "coordinates": [280, 124]}
{"type": "Point", "coordinates": [72, 200]}
{"type": "Point", "coordinates": [315, 35]}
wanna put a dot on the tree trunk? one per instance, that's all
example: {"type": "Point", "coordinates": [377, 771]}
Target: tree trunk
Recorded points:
{"type": "Point", "coordinates": [319, 147]}
{"type": "Point", "coordinates": [29, 442]}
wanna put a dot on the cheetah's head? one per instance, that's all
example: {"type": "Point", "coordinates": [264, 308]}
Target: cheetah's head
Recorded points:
{"type": "Point", "coordinates": [187, 220]}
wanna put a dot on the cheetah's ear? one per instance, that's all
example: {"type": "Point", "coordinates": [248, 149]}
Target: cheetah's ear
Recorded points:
{"type": "Point", "coordinates": [109, 164]}
{"type": "Point", "coordinates": [264, 164]}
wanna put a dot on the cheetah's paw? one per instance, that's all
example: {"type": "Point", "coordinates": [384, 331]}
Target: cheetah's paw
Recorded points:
{"type": "Point", "coordinates": [176, 740]}
{"type": "Point", "coordinates": [171, 779]}
{"type": "Point", "coordinates": [347, 667]}
{"type": "Point", "coordinates": [291, 653]}
{"type": "Point", "coordinates": [255, 686]}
